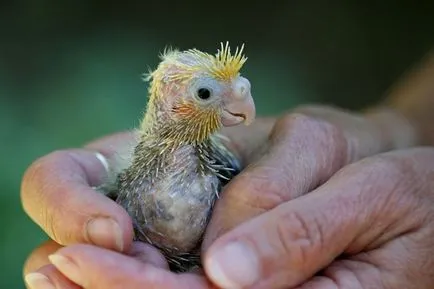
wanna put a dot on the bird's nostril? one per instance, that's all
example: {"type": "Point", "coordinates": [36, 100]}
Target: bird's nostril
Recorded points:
{"type": "Point", "coordinates": [242, 89]}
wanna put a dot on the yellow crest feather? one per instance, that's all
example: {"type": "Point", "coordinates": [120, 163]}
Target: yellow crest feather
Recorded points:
{"type": "Point", "coordinates": [223, 66]}
{"type": "Point", "coordinates": [227, 66]}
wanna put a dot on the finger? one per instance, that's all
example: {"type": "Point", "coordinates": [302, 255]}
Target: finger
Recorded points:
{"type": "Point", "coordinates": [294, 163]}
{"type": "Point", "coordinates": [348, 274]}
{"type": "Point", "coordinates": [39, 273]}
{"type": "Point", "coordinates": [396, 270]}
{"type": "Point", "coordinates": [38, 270]}
{"type": "Point", "coordinates": [45, 193]}
{"type": "Point", "coordinates": [148, 254]}
{"type": "Point", "coordinates": [39, 257]}
{"type": "Point", "coordinates": [94, 267]}
{"type": "Point", "coordinates": [57, 194]}
{"type": "Point", "coordinates": [48, 277]}
{"type": "Point", "coordinates": [295, 240]}
{"type": "Point", "coordinates": [141, 251]}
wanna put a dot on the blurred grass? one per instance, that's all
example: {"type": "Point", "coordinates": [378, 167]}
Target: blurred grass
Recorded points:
{"type": "Point", "coordinates": [71, 72]}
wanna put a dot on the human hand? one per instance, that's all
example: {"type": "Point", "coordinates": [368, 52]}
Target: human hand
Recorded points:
{"type": "Point", "coordinates": [303, 150]}
{"type": "Point", "coordinates": [57, 194]}
{"type": "Point", "coordinates": [80, 202]}
{"type": "Point", "coordinates": [370, 226]}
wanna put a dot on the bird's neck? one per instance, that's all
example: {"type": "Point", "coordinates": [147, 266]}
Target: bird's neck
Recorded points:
{"type": "Point", "coordinates": [190, 126]}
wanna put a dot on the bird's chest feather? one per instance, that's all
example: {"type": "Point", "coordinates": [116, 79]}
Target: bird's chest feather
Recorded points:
{"type": "Point", "coordinates": [170, 199]}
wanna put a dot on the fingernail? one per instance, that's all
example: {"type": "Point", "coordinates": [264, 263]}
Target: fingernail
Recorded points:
{"type": "Point", "coordinates": [101, 231]}
{"type": "Point", "coordinates": [38, 281]}
{"type": "Point", "coordinates": [103, 161]}
{"type": "Point", "coordinates": [234, 266]}
{"type": "Point", "coordinates": [66, 267]}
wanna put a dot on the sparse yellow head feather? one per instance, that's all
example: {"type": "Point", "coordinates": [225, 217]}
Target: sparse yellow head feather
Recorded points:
{"type": "Point", "coordinates": [182, 65]}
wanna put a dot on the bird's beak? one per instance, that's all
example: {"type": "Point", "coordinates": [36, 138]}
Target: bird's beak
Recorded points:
{"type": "Point", "coordinates": [239, 106]}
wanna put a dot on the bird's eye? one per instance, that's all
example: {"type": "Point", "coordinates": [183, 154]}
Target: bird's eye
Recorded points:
{"type": "Point", "coordinates": [203, 93]}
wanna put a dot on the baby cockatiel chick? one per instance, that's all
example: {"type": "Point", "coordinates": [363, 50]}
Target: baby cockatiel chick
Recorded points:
{"type": "Point", "coordinates": [180, 164]}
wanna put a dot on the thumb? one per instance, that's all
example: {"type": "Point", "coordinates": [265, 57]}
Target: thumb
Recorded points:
{"type": "Point", "coordinates": [292, 242]}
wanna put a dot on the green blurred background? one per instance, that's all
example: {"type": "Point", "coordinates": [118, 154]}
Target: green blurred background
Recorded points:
{"type": "Point", "coordinates": [70, 71]}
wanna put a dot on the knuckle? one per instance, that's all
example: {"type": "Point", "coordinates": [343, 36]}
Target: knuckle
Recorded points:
{"type": "Point", "coordinates": [38, 170]}
{"type": "Point", "coordinates": [303, 122]}
{"type": "Point", "coordinates": [295, 122]}
{"type": "Point", "coordinates": [32, 179]}
{"type": "Point", "coordinates": [36, 192]}
{"type": "Point", "coordinates": [36, 173]}
{"type": "Point", "coordinates": [315, 131]}
{"type": "Point", "coordinates": [298, 237]}
{"type": "Point", "coordinates": [322, 145]}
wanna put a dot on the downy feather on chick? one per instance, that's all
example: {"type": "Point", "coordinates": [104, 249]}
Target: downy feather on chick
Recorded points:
{"type": "Point", "coordinates": [180, 163]}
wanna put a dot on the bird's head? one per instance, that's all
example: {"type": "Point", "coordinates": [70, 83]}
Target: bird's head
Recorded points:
{"type": "Point", "coordinates": [193, 93]}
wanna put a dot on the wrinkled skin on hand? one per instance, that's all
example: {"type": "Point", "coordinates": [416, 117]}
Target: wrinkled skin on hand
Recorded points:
{"type": "Point", "coordinates": [264, 207]}
{"type": "Point", "coordinates": [371, 225]}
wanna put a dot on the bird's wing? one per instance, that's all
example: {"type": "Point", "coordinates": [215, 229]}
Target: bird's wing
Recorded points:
{"type": "Point", "coordinates": [109, 189]}
{"type": "Point", "coordinates": [227, 163]}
